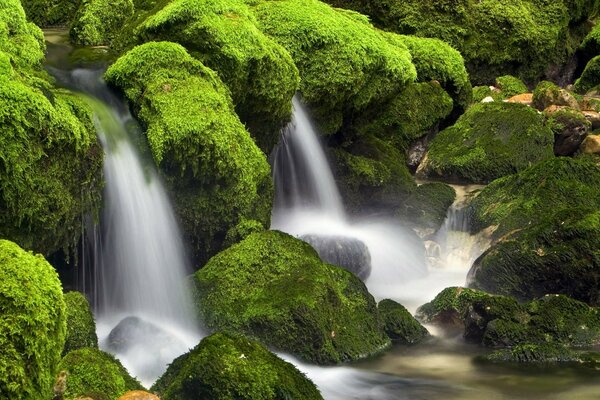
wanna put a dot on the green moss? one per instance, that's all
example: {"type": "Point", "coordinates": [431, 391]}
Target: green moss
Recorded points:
{"type": "Point", "coordinates": [481, 92]}
{"type": "Point", "coordinates": [298, 304]}
{"type": "Point", "coordinates": [227, 366]}
{"type": "Point", "coordinates": [345, 65]}
{"type": "Point", "coordinates": [590, 78]}
{"type": "Point", "coordinates": [399, 325]}
{"type": "Point", "coordinates": [216, 172]}
{"type": "Point", "coordinates": [241, 230]}
{"type": "Point", "coordinates": [81, 327]}
{"type": "Point", "coordinates": [427, 206]}
{"type": "Point", "coordinates": [489, 141]}
{"type": "Point", "coordinates": [223, 35]}
{"type": "Point", "coordinates": [94, 373]}
{"type": "Point", "coordinates": [449, 306]}
{"type": "Point", "coordinates": [21, 41]}
{"type": "Point", "coordinates": [97, 21]}
{"type": "Point", "coordinates": [510, 86]}
{"type": "Point", "coordinates": [51, 12]}
{"type": "Point", "coordinates": [533, 353]}
{"type": "Point", "coordinates": [547, 94]}
{"type": "Point", "coordinates": [32, 324]}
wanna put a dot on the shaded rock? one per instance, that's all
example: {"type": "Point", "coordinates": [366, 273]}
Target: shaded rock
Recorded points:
{"type": "Point", "coordinates": [525, 98]}
{"type": "Point", "coordinates": [343, 251]}
{"type": "Point", "coordinates": [593, 117]}
{"type": "Point", "coordinates": [81, 327]}
{"type": "Point", "coordinates": [399, 324]}
{"type": "Point", "coordinates": [570, 127]}
{"type": "Point", "coordinates": [590, 77]}
{"type": "Point", "coordinates": [138, 395]}
{"type": "Point", "coordinates": [591, 145]}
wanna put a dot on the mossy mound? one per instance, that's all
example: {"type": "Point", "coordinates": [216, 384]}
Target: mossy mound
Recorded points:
{"type": "Point", "coordinates": [517, 37]}
{"type": "Point", "coordinates": [21, 43]}
{"type": "Point", "coordinates": [372, 175]}
{"type": "Point", "coordinates": [399, 325]}
{"type": "Point", "coordinates": [96, 374]}
{"type": "Point", "coordinates": [510, 86]}
{"type": "Point", "coordinates": [548, 94]}
{"type": "Point", "coordinates": [427, 206]}
{"type": "Point", "coordinates": [81, 327]}
{"type": "Point", "coordinates": [557, 255]}
{"type": "Point", "coordinates": [590, 78]}
{"type": "Point", "coordinates": [98, 21]}
{"type": "Point", "coordinates": [216, 172]}
{"type": "Point", "coordinates": [223, 35]}
{"type": "Point", "coordinates": [298, 304]}
{"type": "Point", "coordinates": [32, 324]}
{"type": "Point", "coordinates": [489, 141]}
{"type": "Point", "coordinates": [227, 366]}
{"type": "Point", "coordinates": [517, 201]}
{"type": "Point", "coordinates": [345, 64]}
{"type": "Point", "coordinates": [51, 12]}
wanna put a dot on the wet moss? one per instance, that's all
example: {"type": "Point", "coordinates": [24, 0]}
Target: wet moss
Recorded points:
{"type": "Point", "coordinates": [399, 325]}
{"type": "Point", "coordinates": [21, 42]}
{"type": "Point", "coordinates": [510, 86]}
{"type": "Point", "coordinates": [216, 172]}
{"type": "Point", "coordinates": [51, 12]}
{"type": "Point", "coordinates": [97, 21]}
{"type": "Point", "coordinates": [489, 141]}
{"type": "Point", "coordinates": [229, 366]}
{"type": "Point", "coordinates": [298, 304]}
{"type": "Point", "coordinates": [32, 324]}
{"type": "Point", "coordinates": [81, 327]}
{"type": "Point", "coordinates": [94, 373]}
{"type": "Point", "coordinates": [590, 78]}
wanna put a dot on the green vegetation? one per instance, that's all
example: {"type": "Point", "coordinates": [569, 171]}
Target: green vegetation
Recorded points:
{"type": "Point", "coordinates": [298, 304]}
{"type": "Point", "coordinates": [547, 94]}
{"type": "Point", "coordinates": [96, 374]}
{"type": "Point", "coordinates": [81, 327]}
{"type": "Point", "coordinates": [97, 21]}
{"type": "Point", "coordinates": [345, 65]}
{"type": "Point", "coordinates": [227, 366]}
{"type": "Point", "coordinates": [223, 35]}
{"type": "Point", "coordinates": [590, 78]}
{"type": "Point", "coordinates": [489, 141]}
{"type": "Point", "coordinates": [51, 12]}
{"type": "Point", "coordinates": [399, 325]}
{"type": "Point", "coordinates": [449, 306]}
{"type": "Point", "coordinates": [215, 171]}
{"type": "Point", "coordinates": [427, 206]}
{"type": "Point", "coordinates": [510, 86]}
{"type": "Point", "coordinates": [32, 324]}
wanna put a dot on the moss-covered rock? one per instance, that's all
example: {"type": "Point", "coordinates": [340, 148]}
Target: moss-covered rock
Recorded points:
{"type": "Point", "coordinates": [227, 366]}
{"type": "Point", "coordinates": [96, 374]}
{"type": "Point", "coordinates": [298, 304]}
{"type": "Point", "coordinates": [518, 37]}
{"type": "Point", "coordinates": [548, 94]}
{"type": "Point", "coordinates": [21, 42]}
{"type": "Point", "coordinates": [570, 128]}
{"type": "Point", "coordinates": [223, 35]}
{"type": "Point", "coordinates": [489, 141]}
{"type": "Point", "coordinates": [345, 64]}
{"type": "Point", "coordinates": [590, 78]}
{"type": "Point", "coordinates": [427, 206]}
{"type": "Point", "coordinates": [97, 21]}
{"type": "Point", "coordinates": [51, 12]}
{"type": "Point", "coordinates": [216, 172]}
{"type": "Point", "coordinates": [32, 324]}
{"type": "Point", "coordinates": [533, 353]}
{"type": "Point", "coordinates": [510, 86]}
{"type": "Point", "coordinates": [81, 327]}
{"type": "Point", "coordinates": [399, 325]}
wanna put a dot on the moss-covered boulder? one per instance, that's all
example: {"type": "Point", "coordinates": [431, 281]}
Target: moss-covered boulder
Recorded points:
{"type": "Point", "coordinates": [228, 366]}
{"type": "Point", "coordinates": [81, 327]}
{"type": "Point", "coordinates": [399, 324]}
{"type": "Point", "coordinates": [51, 12]}
{"type": "Point", "coordinates": [489, 141]}
{"type": "Point", "coordinates": [345, 64]}
{"type": "Point", "coordinates": [98, 21]}
{"type": "Point", "coordinates": [32, 324]}
{"type": "Point", "coordinates": [217, 174]}
{"type": "Point", "coordinates": [590, 78]}
{"type": "Point", "coordinates": [519, 37]}
{"type": "Point", "coordinates": [510, 86]}
{"type": "Point", "coordinates": [548, 94]}
{"type": "Point", "coordinates": [224, 36]}
{"type": "Point", "coordinates": [570, 128]}
{"type": "Point", "coordinates": [427, 206]}
{"type": "Point", "coordinates": [297, 303]}
{"type": "Point", "coordinates": [93, 373]}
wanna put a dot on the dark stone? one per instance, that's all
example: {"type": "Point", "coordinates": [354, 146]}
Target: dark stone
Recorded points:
{"type": "Point", "coordinates": [346, 252]}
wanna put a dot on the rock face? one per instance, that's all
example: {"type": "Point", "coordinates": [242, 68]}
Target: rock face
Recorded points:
{"type": "Point", "coordinates": [275, 288]}
{"type": "Point", "coordinates": [32, 323]}
{"type": "Point", "coordinates": [81, 327]}
{"type": "Point", "coordinates": [227, 366]}
{"type": "Point", "coordinates": [343, 251]}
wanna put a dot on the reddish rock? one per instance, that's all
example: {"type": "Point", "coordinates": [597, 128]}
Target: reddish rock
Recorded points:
{"type": "Point", "coordinates": [138, 395]}
{"type": "Point", "coordinates": [525, 98]}
{"type": "Point", "coordinates": [591, 145]}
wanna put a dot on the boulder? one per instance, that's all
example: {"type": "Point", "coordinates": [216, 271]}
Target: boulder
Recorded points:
{"type": "Point", "coordinates": [570, 128]}
{"type": "Point", "coordinates": [132, 330]}
{"type": "Point", "coordinates": [97, 22]}
{"type": "Point", "coordinates": [343, 251]}
{"type": "Point", "coordinates": [525, 98]}
{"type": "Point", "coordinates": [81, 327]}
{"type": "Point", "coordinates": [591, 145]}
{"type": "Point", "coordinates": [593, 117]}
{"type": "Point", "coordinates": [399, 324]}
{"type": "Point", "coordinates": [590, 77]}
{"type": "Point", "coordinates": [547, 94]}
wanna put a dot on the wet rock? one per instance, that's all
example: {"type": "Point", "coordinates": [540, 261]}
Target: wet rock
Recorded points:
{"type": "Point", "coordinates": [399, 324]}
{"type": "Point", "coordinates": [349, 253]}
{"type": "Point", "coordinates": [525, 98]}
{"type": "Point", "coordinates": [132, 330]}
{"type": "Point", "coordinates": [138, 395]}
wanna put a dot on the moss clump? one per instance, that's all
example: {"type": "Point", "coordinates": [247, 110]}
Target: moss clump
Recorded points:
{"type": "Point", "coordinates": [81, 327]}
{"type": "Point", "coordinates": [241, 230]}
{"type": "Point", "coordinates": [216, 172]}
{"type": "Point", "coordinates": [21, 42]}
{"type": "Point", "coordinates": [427, 206]}
{"type": "Point", "coordinates": [227, 366]}
{"type": "Point", "coordinates": [51, 12]}
{"type": "Point", "coordinates": [522, 200]}
{"type": "Point", "coordinates": [298, 304]}
{"type": "Point", "coordinates": [371, 174]}
{"type": "Point", "coordinates": [481, 92]}
{"type": "Point", "coordinates": [94, 373]}
{"type": "Point", "coordinates": [449, 306]}
{"type": "Point", "coordinates": [32, 324]}
{"type": "Point", "coordinates": [517, 37]}
{"type": "Point", "coordinates": [533, 353]}
{"type": "Point", "coordinates": [547, 94]}
{"type": "Point", "coordinates": [489, 141]}
{"type": "Point", "coordinates": [223, 35]}
{"type": "Point", "coordinates": [510, 86]}
{"type": "Point", "coordinates": [399, 325]}
{"type": "Point", "coordinates": [97, 21]}
{"type": "Point", "coordinates": [345, 64]}
{"type": "Point", "coordinates": [590, 78]}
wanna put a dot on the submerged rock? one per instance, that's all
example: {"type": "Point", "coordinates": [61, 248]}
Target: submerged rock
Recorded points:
{"type": "Point", "coordinates": [132, 330]}
{"type": "Point", "coordinates": [228, 366]}
{"type": "Point", "coordinates": [344, 251]}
